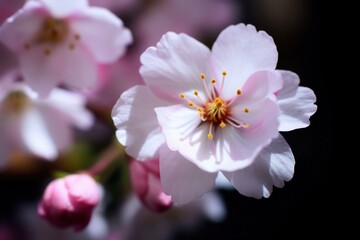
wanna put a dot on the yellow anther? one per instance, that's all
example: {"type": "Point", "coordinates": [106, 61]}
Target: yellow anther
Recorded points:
{"type": "Point", "coordinates": [224, 73]}
{"type": "Point", "coordinates": [222, 124]}
{"type": "Point", "coordinates": [196, 93]}
{"type": "Point", "coordinates": [213, 80]}
{"type": "Point", "coordinates": [246, 110]}
{"type": "Point", "coordinates": [202, 76]}
{"type": "Point", "coordinates": [247, 125]}
{"type": "Point", "coordinates": [182, 95]}
{"type": "Point", "coordinates": [191, 104]}
{"type": "Point", "coordinates": [238, 91]}
{"type": "Point", "coordinates": [210, 136]}
{"type": "Point", "coordinates": [199, 109]}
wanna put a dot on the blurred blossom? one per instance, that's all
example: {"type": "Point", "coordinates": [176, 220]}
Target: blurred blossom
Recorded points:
{"type": "Point", "coordinates": [215, 111]}
{"type": "Point", "coordinates": [70, 201]}
{"type": "Point", "coordinates": [117, 6]}
{"type": "Point", "coordinates": [39, 126]}
{"type": "Point", "coordinates": [62, 42]}
{"type": "Point", "coordinates": [145, 178]}
{"type": "Point", "coordinates": [187, 16]}
{"type": "Point", "coordinates": [197, 18]}
{"type": "Point", "coordinates": [137, 222]}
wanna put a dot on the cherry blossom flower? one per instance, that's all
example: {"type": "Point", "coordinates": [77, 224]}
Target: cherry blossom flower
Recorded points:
{"type": "Point", "coordinates": [62, 42]}
{"type": "Point", "coordinates": [145, 178]}
{"type": "Point", "coordinates": [205, 112]}
{"type": "Point", "coordinates": [39, 126]}
{"type": "Point", "coordinates": [70, 201]}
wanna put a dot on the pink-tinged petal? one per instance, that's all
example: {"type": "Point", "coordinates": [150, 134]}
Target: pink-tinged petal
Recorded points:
{"type": "Point", "coordinates": [145, 178]}
{"type": "Point", "coordinates": [83, 191]}
{"type": "Point", "coordinates": [274, 165]}
{"type": "Point", "coordinates": [260, 85]}
{"type": "Point", "coordinates": [177, 122]}
{"type": "Point", "coordinates": [137, 126]}
{"type": "Point", "coordinates": [63, 8]}
{"type": "Point", "coordinates": [76, 68]}
{"type": "Point", "coordinates": [156, 199]}
{"type": "Point", "coordinates": [296, 103]}
{"type": "Point", "coordinates": [21, 28]}
{"type": "Point", "coordinates": [108, 46]}
{"type": "Point", "coordinates": [36, 136]}
{"type": "Point", "coordinates": [241, 50]}
{"type": "Point", "coordinates": [139, 177]}
{"type": "Point", "coordinates": [181, 179]}
{"type": "Point", "coordinates": [73, 105]}
{"type": "Point", "coordinates": [175, 64]}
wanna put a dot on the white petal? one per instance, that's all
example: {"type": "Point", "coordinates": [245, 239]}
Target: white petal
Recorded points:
{"type": "Point", "coordinates": [274, 165]}
{"type": "Point", "coordinates": [63, 8]}
{"type": "Point", "coordinates": [136, 122]}
{"type": "Point", "coordinates": [178, 122]}
{"type": "Point", "coordinates": [181, 179]}
{"type": "Point", "coordinates": [22, 27]}
{"type": "Point", "coordinates": [74, 68]}
{"type": "Point", "coordinates": [241, 50]}
{"type": "Point", "coordinates": [102, 32]}
{"type": "Point", "coordinates": [36, 135]}
{"type": "Point", "coordinates": [73, 105]}
{"type": "Point", "coordinates": [296, 103]}
{"type": "Point", "coordinates": [175, 64]}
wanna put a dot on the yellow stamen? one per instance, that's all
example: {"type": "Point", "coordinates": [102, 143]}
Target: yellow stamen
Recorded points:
{"type": "Point", "coordinates": [238, 91]}
{"type": "Point", "coordinates": [246, 110]}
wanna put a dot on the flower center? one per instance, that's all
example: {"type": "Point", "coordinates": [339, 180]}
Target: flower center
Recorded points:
{"type": "Point", "coordinates": [214, 110]}
{"type": "Point", "coordinates": [16, 102]}
{"type": "Point", "coordinates": [54, 32]}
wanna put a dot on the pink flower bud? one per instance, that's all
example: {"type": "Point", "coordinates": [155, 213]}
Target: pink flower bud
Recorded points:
{"type": "Point", "coordinates": [145, 177]}
{"type": "Point", "coordinates": [69, 201]}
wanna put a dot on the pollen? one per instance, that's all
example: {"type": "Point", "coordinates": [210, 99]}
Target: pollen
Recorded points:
{"type": "Point", "coordinates": [53, 31]}
{"type": "Point", "coordinates": [213, 108]}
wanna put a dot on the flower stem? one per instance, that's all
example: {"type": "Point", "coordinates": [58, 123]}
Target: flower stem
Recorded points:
{"type": "Point", "coordinates": [111, 153]}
